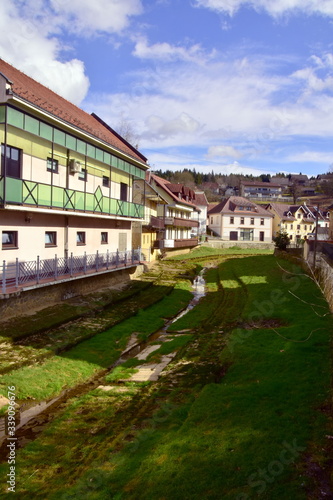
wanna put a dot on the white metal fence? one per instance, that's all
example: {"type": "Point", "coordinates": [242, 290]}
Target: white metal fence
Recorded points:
{"type": "Point", "coordinates": [27, 273]}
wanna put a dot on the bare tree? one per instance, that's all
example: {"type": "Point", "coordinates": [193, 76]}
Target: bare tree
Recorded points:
{"type": "Point", "coordinates": [126, 130]}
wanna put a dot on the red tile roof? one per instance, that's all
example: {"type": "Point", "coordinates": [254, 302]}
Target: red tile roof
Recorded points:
{"type": "Point", "coordinates": [171, 189]}
{"type": "Point", "coordinates": [232, 204]}
{"type": "Point", "coordinates": [42, 97]}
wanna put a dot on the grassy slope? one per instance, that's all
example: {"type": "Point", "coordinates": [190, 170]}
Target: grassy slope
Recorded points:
{"type": "Point", "coordinates": [245, 436]}
{"type": "Point", "coordinates": [227, 440]}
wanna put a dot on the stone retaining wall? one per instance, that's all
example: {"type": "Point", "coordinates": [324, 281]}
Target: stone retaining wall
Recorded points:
{"type": "Point", "coordinates": [239, 244]}
{"type": "Point", "coordinates": [23, 301]}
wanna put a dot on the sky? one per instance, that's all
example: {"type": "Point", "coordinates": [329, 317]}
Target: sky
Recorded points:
{"type": "Point", "coordinates": [230, 86]}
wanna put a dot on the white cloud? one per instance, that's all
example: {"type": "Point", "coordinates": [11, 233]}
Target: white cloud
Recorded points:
{"type": "Point", "coordinates": [224, 152]}
{"type": "Point", "coordinates": [159, 128]}
{"type": "Point", "coordinates": [24, 45]}
{"type": "Point", "coordinates": [31, 37]}
{"type": "Point", "coordinates": [167, 52]}
{"type": "Point", "coordinates": [274, 8]}
{"type": "Point", "coordinates": [312, 157]}
{"type": "Point", "coordinates": [86, 16]}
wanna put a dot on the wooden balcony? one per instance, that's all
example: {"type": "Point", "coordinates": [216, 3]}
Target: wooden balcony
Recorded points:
{"type": "Point", "coordinates": [178, 222]}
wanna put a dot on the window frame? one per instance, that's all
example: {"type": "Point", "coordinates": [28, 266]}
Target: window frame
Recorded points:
{"type": "Point", "coordinates": [83, 175]}
{"type": "Point", "coordinates": [106, 181]}
{"type": "Point", "coordinates": [80, 241]}
{"type": "Point", "coordinates": [52, 165]}
{"type": "Point", "coordinates": [104, 237]}
{"type": "Point", "coordinates": [242, 220]}
{"type": "Point", "coordinates": [11, 244]}
{"type": "Point", "coordinates": [53, 239]}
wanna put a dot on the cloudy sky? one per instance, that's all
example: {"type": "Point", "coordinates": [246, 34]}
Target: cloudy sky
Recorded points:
{"type": "Point", "coordinates": [224, 85]}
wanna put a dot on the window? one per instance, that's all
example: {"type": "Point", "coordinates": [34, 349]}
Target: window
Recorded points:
{"type": "Point", "coordinates": [299, 216]}
{"type": "Point", "coordinates": [123, 191]}
{"type": "Point", "coordinates": [106, 181]}
{"type": "Point", "coordinates": [246, 234]}
{"type": "Point", "coordinates": [83, 175]}
{"type": "Point", "coordinates": [13, 161]}
{"type": "Point", "coordinates": [262, 221]}
{"type": "Point", "coordinates": [52, 165]}
{"type": "Point", "coordinates": [9, 239]}
{"type": "Point", "coordinates": [242, 220]}
{"type": "Point", "coordinates": [50, 239]}
{"type": "Point", "coordinates": [80, 238]}
{"type": "Point", "coordinates": [305, 227]}
{"type": "Point", "coordinates": [252, 220]}
{"type": "Point", "coordinates": [211, 220]}
{"type": "Point", "coordinates": [291, 226]}
{"type": "Point", "coordinates": [298, 226]}
{"type": "Point", "coordinates": [104, 237]}
{"type": "Point", "coordinates": [232, 220]}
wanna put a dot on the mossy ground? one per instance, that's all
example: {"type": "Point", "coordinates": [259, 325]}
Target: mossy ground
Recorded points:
{"type": "Point", "coordinates": [238, 414]}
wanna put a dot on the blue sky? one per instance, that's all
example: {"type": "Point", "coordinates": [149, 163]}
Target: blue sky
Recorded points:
{"type": "Point", "coordinates": [234, 86]}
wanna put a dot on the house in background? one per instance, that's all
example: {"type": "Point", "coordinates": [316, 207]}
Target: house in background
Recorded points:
{"type": "Point", "coordinates": [260, 189]}
{"type": "Point", "coordinates": [297, 220]}
{"type": "Point", "coordinates": [177, 215]}
{"type": "Point", "coordinates": [66, 184]}
{"type": "Point", "coordinates": [152, 228]}
{"type": "Point", "coordinates": [239, 219]}
{"type": "Point", "coordinates": [202, 204]}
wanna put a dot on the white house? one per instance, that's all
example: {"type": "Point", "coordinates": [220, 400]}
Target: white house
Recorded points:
{"type": "Point", "coordinates": [237, 218]}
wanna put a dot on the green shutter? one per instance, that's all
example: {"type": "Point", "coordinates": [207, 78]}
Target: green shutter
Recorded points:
{"type": "Point", "coordinates": [46, 131]}
{"type": "Point", "coordinates": [31, 125]}
{"type": "Point", "coordinates": [59, 137]}
{"type": "Point", "coordinates": [15, 118]}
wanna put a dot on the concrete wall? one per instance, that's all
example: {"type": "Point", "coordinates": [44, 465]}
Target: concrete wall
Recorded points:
{"type": "Point", "coordinates": [240, 244]}
{"type": "Point", "coordinates": [23, 302]}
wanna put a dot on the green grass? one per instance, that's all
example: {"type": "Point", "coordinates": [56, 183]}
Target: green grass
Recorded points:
{"type": "Point", "coordinates": [205, 251]}
{"type": "Point", "coordinates": [243, 434]}
{"type": "Point", "coordinates": [47, 379]}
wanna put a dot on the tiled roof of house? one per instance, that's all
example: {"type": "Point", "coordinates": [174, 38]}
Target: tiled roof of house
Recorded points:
{"type": "Point", "coordinates": [282, 210]}
{"type": "Point", "coordinates": [171, 189]}
{"type": "Point", "coordinates": [233, 204]}
{"type": "Point", "coordinates": [42, 97]}
{"type": "Point", "coordinates": [260, 184]}
{"type": "Point", "coordinates": [200, 199]}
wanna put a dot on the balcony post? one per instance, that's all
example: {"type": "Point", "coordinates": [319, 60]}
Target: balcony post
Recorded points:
{"type": "Point", "coordinates": [117, 258]}
{"type": "Point", "coordinates": [4, 277]}
{"type": "Point", "coordinates": [85, 263]}
{"type": "Point", "coordinates": [125, 259]}
{"type": "Point", "coordinates": [107, 259]}
{"type": "Point", "coordinates": [96, 261]}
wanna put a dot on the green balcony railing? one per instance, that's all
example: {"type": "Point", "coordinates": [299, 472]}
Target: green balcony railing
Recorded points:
{"type": "Point", "coordinates": [36, 194]}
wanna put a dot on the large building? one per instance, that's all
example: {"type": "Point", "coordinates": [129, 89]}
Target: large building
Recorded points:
{"type": "Point", "coordinates": [238, 219]}
{"type": "Point", "coordinates": [66, 184]}
{"type": "Point", "coordinates": [178, 215]}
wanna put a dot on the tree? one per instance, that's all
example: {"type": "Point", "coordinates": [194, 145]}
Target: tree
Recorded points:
{"type": "Point", "coordinates": [295, 191]}
{"type": "Point", "coordinates": [281, 240]}
{"type": "Point", "coordinates": [125, 129]}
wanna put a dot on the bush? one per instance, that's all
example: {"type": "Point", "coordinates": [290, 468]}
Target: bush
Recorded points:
{"type": "Point", "coordinates": [281, 240]}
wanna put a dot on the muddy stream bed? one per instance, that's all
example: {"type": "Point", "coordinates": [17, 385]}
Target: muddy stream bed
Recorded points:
{"type": "Point", "coordinates": [32, 417]}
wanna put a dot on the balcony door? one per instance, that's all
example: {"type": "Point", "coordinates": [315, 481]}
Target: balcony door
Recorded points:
{"type": "Point", "coordinates": [13, 161]}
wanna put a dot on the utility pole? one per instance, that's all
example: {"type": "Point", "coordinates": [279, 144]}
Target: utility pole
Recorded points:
{"type": "Point", "coordinates": [315, 241]}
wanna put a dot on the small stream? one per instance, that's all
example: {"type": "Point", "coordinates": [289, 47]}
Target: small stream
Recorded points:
{"type": "Point", "coordinates": [32, 417]}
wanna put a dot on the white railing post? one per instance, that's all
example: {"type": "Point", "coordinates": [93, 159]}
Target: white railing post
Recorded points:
{"type": "Point", "coordinates": [71, 265]}
{"type": "Point", "coordinates": [85, 263]}
{"type": "Point", "coordinates": [4, 277]}
{"type": "Point", "coordinates": [38, 264]}
{"type": "Point", "coordinates": [55, 267]}
{"type": "Point", "coordinates": [96, 261]}
{"type": "Point", "coordinates": [17, 271]}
